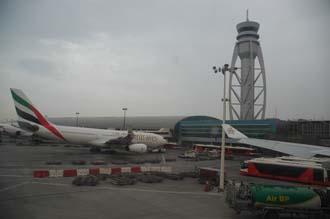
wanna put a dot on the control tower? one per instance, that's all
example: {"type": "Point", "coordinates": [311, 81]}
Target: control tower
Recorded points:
{"type": "Point", "coordinates": [247, 83]}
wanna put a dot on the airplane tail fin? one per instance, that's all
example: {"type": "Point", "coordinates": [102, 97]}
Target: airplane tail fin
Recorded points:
{"type": "Point", "coordinates": [28, 113]}
{"type": "Point", "coordinates": [25, 109]}
{"type": "Point", "coordinates": [232, 132]}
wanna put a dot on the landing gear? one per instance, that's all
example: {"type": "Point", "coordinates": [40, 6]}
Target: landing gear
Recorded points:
{"type": "Point", "coordinates": [95, 149]}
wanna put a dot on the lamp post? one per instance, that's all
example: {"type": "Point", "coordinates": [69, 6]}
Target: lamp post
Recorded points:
{"type": "Point", "coordinates": [124, 121]}
{"type": "Point", "coordinates": [77, 119]}
{"type": "Point", "coordinates": [224, 69]}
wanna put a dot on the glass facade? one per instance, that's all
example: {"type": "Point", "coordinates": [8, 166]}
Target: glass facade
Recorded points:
{"type": "Point", "coordinates": [208, 129]}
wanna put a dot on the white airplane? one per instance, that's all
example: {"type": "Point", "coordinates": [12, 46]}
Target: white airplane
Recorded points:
{"type": "Point", "coordinates": [294, 149]}
{"type": "Point", "coordinates": [13, 130]}
{"type": "Point", "coordinates": [31, 119]}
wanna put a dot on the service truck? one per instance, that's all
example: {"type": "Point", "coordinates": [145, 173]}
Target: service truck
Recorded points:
{"type": "Point", "coordinates": [273, 201]}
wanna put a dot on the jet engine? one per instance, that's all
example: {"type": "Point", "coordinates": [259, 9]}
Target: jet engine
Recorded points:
{"type": "Point", "coordinates": [138, 148]}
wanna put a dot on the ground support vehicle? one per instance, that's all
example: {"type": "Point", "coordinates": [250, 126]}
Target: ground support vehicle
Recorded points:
{"type": "Point", "coordinates": [314, 171]}
{"type": "Point", "coordinates": [272, 201]}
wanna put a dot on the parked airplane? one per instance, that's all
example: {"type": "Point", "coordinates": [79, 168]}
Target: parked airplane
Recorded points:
{"type": "Point", "coordinates": [13, 130]}
{"type": "Point", "coordinates": [294, 149]}
{"type": "Point", "coordinates": [31, 119]}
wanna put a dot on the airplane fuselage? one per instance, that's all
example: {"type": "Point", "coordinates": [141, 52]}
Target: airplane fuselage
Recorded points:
{"type": "Point", "coordinates": [97, 137]}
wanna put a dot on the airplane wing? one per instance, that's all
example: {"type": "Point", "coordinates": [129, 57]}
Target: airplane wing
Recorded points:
{"type": "Point", "coordinates": [294, 149]}
{"type": "Point", "coordinates": [121, 143]}
{"type": "Point", "coordinates": [124, 141]}
{"type": "Point", "coordinates": [325, 152]}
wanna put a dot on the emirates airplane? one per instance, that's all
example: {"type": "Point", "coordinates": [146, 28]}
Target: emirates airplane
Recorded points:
{"type": "Point", "coordinates": [30, 118]}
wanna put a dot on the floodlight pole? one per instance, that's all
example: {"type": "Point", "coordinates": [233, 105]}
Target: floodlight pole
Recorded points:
{"type": "Point", "coordinates": [77, 119]}
{"type": "Point", "coordinates": [223, 137]}
{"type": "Point", "coordinates": [224, 69]}
{"type": "Point", "coordinates": [124, 121]}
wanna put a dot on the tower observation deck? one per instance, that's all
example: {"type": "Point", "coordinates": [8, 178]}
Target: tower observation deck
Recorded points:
{"type": "Point", "coordinates": [247, 83]}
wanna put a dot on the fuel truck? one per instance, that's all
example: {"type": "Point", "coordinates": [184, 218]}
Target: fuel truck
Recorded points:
{"type": "Point", "coordinates": [273, 201]}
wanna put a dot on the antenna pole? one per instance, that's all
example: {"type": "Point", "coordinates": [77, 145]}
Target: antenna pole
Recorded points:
{"type": "Point", "coordinates": [247, 14]}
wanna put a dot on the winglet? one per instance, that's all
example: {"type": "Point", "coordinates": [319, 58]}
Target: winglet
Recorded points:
{"type": "Point", "coordinates": [233, 133]}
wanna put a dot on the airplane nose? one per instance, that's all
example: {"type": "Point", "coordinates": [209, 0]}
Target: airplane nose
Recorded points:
{"type": "Point", "coordinates": [164, 141]}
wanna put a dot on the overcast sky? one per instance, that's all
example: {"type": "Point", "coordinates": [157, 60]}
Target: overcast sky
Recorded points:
{"type": "Point", "coordinates": [156, 57]}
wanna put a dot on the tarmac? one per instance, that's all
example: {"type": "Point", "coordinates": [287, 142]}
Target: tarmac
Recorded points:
{"type": "Point", "coordinates": [22, 196]}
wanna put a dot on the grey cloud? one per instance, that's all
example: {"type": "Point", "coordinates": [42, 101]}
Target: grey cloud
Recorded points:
{"type": "Point", "coordinates": [39, 67]}
{"type": "Point", "coordinates": [139, 53]}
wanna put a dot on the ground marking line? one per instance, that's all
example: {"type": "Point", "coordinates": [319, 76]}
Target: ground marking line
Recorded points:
{"type": "Point", "coordinates": [163, 191]}
{"type": "Point", "coordinates": [14, 186]}
{"type": "Point", "coordinates": [136, 190]}
{"type": "Point", "coordinates": [51, 184]}
{"type": "Point", "coordinates": [9, 175]}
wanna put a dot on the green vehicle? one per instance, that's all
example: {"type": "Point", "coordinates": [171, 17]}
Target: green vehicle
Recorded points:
{"type": "Point", "coordinates": [272, 201]}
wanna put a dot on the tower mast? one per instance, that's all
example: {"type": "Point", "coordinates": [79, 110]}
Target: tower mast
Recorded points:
{"type": "Point", "coordinates": [247, 82]}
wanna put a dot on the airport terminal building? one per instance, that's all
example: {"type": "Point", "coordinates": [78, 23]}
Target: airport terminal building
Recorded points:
{"type": "Point", "coordinates": [205, 129]}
